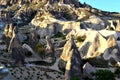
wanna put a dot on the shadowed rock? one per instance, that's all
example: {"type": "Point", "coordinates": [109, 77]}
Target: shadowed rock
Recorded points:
{"type": "Point", "coordinates": [33, 39]}
{"type": "Point", "coordinates": [17, 56]}
{"type": "Point", "coordinates": [72, 56]}
{"type": "Point", "coordinates": [87, 70]}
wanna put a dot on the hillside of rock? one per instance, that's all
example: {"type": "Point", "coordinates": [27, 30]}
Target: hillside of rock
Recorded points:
{"type": "Point", "coordinates": [56, 39]}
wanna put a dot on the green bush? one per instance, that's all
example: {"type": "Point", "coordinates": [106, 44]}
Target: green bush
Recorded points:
{"type": "Point", "coordinates": [80, 39]}
{"type": "Point", "coordinates": [40, 49]}
{"type": "Point", "coordinates": [104, 75]}
{"type": "Point", "coordinates": [75, 78]}
{"type": "Point", "coordinates": [28, 54]}
{"type": "Point", "coordinates": [117, 71]}
{"type": "Point", "coordinates": [59, 34]}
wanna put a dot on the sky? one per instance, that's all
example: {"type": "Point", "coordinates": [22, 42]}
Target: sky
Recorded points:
{"type": "Point", "coordinates": [106, 5]}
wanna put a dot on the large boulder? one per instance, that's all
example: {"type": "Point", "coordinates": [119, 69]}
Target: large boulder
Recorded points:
{"type": "Point", "coordinates": [72, 57]}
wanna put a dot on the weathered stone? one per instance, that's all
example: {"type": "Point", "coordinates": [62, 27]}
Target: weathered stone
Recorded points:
{"type": "Point", "coordinates": [87, 70]}
{"type": "Point", "coordinates": [25, 46]}
{"type": "Point", "coordinates": [33, 40]}
{"type": "Point", "coordinates": [50, 52]}
{"type": "Point", "coordinates": [99, 50]}
{"type": "Point", "coordinates": [72, 56]}
{"type": "Point", "coordinates": [17, 56]}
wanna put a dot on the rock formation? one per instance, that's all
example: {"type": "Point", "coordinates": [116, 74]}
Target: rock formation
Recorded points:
{"type": "Point", "coordinates": [100, 48]}
{"type": "Point", "coordinates": [50, 52]}
{"type": "Point", "coordinates": [33, 40]}
{"type": "Point", "coordinates": [72, 56]}
{"type": "Point", "coordinates": [10, 37]}
{"type": "Point", "coordinates": [17, 56]}
{"type": "Point", "coordinates": [87, 70]}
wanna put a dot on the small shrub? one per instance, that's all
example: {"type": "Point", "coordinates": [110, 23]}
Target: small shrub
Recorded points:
{"type": "Point", "coordinates": [104, 75]}
{"type": "Point", "coordinates": [75, 78]}
{"type": "Point", "coordinates": [80, 39]}
{"type": "Point", "coordinates": [117, 72]}
{"type": "Point", "coordinates": [40, 49]}
{"type": "Point", "coordinates": [28, 54]}
{"type": "Point", "coordinates": [59, 34]}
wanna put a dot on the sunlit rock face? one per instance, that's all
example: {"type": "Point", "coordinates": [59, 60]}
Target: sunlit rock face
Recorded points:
{"type": "Point", "coordinates": [72, 56]}
{"type": "Point", "coordinates": [94, 23]}
{"type": "Point", "coordinates": [93, 45]}
{"type": "Point", "coordinates": [99, 48]}
{"type": "Point", "coordinates": [50, 51]}
{"type": "Point", "coordinates": [114, 25]}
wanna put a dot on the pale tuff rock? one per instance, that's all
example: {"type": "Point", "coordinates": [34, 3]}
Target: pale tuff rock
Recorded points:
{"type": "Point", "coordinates": [50, 52]}
{"type": "Point", "coordinates": [99, 48]}
{"type": "Point", "coordinates": [94, 23]}
{"type": "Point", "coordinates": [10, 31]}
{"type": "Point", "coordinates": [57, 25]}
{"type": "Point", "coordinates": [112, 50]}
{"type": "Point", "coordinates": [81, 32]}
{"type": "Point", "coordinates": [93, 45]}
{"type": "Point", "coordinates": [107, 33]}
{"type": "Point", "coordinates": [114, 24]}
{"type": "Point", "coordinates": [14, 42]}
{"type": "Point", "coordinates": [10, 37]}
{"type": "Point", "coordinates": [6, 29]}
{"type": "Point", "coordinates": [72, 56]}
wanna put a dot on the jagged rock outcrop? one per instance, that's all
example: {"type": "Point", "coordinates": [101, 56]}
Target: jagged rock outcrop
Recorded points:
{"type": "Point", "coordinates": [73, 61]}
{"type": "Point", "coordinates": [9, 2]}
{"type": "Point", "coordinates": [33, 40]}
{"type": "Point", "coordinates": [99, 48]}
{"type": "Point", "coordinates": [50, 25]}
{"type": "Point", "coordinates": [94, 23]}
{"type": "Point", "coordinates": [10, 37]}
{"type": "Point", "coordinates": [114, 25]}
{"type": "Point", "coordinates": [50, 52]}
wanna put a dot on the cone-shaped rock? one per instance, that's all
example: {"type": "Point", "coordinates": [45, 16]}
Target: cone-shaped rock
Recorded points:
{"type": "Point", "coordinates": [72, 56]}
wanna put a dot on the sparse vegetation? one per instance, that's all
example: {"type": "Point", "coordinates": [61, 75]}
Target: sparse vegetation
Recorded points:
{"type": "Point", "coordinates": [28, 54]}
{"type": "Point", "coordinates": [80, 39]}
{"type": "Point", "coordinates": [117, 72]}
{"type": "Point", "coordinates": [104, 75]}
{"type": "Point", "coordinates": [40, 49]}
{"type": "Point", "coordinates": [75, 78]}
{"type": "Point", "coordinates": [59, 34]}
